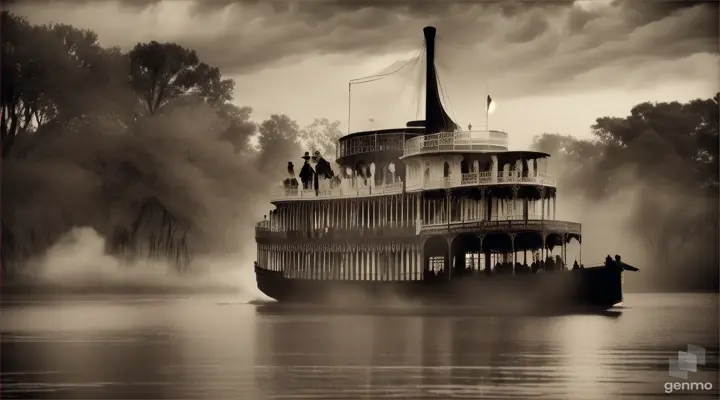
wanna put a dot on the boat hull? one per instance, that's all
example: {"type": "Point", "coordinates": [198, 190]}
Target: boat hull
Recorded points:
{"type": "Point", "coordinates": [591, 289]}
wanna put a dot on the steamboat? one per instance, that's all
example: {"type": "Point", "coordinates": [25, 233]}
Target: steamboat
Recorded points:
{"type": "Point", "coordinates": [427, 214]}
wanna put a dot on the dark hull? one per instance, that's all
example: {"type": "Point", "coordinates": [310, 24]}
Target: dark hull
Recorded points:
{"type": "Point", "coordinates": [590, 289]}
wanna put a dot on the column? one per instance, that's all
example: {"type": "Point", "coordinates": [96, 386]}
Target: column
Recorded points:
{"type": "Point", "coordinates": [494, 170]}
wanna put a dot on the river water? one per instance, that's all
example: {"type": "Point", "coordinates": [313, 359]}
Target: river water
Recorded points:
{"type": "Point", "coordinates": [208, 347]}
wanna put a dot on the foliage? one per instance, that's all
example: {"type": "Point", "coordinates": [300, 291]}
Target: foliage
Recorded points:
{"type": "Point", "coordinates": [668, 154]}
{"type": "Point", "coordinates": [54, 74]}
{"type": "Point", "coordinates": [274, 135]}
{"type": "Point", "coordinates": [161, 72]}
{"type": "Point", "coordinates": [144, 147]}
{"type": "Point", "coordinates": [322, 135]}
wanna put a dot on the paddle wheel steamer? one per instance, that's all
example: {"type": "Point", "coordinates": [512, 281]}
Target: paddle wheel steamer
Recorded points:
{"type": "Point", "coordinates": [427, 213]}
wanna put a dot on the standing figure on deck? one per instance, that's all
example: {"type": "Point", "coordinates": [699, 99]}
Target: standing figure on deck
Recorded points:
{"type": "Point", "coordinates": [618, 262]}
{"type": "Point", "coordinates": [290, 183]}
{"type": "Point", "coordinates": [307, 173]}
{"type": "Point", "coordinates": [323, 167]}
{"type": "Point", "coordinates": [323, 170]}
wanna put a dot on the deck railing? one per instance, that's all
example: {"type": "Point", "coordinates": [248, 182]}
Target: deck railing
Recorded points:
{"type": "Point", "coordinates": [460, 141]}
{"type": "Point", "coordinates": [371, 142]}
{"type": "Point", "coordinates": [339, 192]}
{"type": "Point", "coordinates": [333, 233]}
{"type": "Point", "coordinates": [508, 222]}
{"type": "Point", "coordinates": [505, 224]}
{"type": "Point", "coordinates": [468, 179]}
{"type": "Point", "coordinates": [482, 178]}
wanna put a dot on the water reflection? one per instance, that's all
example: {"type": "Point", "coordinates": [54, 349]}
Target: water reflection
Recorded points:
{"type": "Point", "coordinates": [201, 348]}
{"type": "Point", "coordinates": [85, 352]}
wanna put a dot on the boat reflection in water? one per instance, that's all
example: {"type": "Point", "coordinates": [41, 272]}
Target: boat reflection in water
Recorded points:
{"type": "Point", "coordinates": [206, 348]}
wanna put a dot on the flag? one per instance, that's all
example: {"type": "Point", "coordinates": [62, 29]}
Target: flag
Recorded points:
{"type": "Point", "coordinates": [489, 101]}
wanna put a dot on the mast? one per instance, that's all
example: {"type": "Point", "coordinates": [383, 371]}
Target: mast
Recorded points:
{"type": "Point", "coordinates": [436, 119]}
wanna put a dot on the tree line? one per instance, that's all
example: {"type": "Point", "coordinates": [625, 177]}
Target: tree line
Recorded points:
{"type": "Point", "coordinates": [139, 145]}
{"type": "Point", "coordinates": [666, 154]}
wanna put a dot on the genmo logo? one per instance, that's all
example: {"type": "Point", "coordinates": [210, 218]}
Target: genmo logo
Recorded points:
{"type": "Point", "coordinates": [686, 386]}
{"type": "Point", "coordinates": [679, 367]}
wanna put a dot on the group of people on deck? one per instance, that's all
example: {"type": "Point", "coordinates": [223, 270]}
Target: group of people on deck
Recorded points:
{"type": "Point", "coordinates": [309, 176]}
{"type": "Point", "coordinates": [617, 263]}
{"type": "Point", "coordinates": [550, 264]}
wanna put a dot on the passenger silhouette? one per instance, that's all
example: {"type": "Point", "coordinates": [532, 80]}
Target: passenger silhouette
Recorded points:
{"type": "Point", "coordinates": [307, 173]}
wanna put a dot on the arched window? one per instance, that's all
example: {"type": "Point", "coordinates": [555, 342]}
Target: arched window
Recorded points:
{"type": "Point", "coordinates": [446, 169]}
{"type": "Point", "coordinates": [464, 167]}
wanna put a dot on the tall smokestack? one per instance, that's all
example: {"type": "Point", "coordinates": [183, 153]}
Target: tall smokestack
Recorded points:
{"type": "Point", "coordinates": [436, 119]}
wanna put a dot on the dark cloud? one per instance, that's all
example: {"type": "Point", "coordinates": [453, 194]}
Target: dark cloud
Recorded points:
{"type": "Point", "coordinates": [552, 40]}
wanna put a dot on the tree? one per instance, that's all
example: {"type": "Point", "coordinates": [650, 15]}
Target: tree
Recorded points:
{"type": "Point", "coordinates": [57, 74]}
{"type": "Point", "coordinates": [239, 128]}
{"type": "Point", "coordinates": [667, 154]}
{"type": "Point", "coordinates": [278, 140]}
{"type": "Point", "coordinates": [18, 99]}
{"type": "Point", "coordinates": [321, 135]}
{"type": "Point", "coordinates": [667, 138]}
{"type": "Point", "coordinates": [161, 72]}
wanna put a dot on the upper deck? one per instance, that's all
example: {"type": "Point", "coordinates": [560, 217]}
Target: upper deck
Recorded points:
{"type": "Point", "coordinates": [465, 180]}
{"type": "Point", "coordinates": [462, 142]}
{"type": "Point", "coordinates": [368, 143]}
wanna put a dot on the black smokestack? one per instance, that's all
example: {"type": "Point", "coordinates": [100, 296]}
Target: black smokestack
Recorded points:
{"type": "Point", "coordinates": [436, 119]}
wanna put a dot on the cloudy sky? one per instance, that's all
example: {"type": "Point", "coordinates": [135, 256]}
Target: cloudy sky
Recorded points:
{"type": "Point", "coordinates": [551, 66]}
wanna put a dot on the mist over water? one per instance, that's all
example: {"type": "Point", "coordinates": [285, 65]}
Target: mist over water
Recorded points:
{"type": "Point", "coordinates": [79, 262]}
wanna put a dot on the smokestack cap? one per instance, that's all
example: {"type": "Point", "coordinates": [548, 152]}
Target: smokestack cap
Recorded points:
{"type": "Point", "coordinates": [429, 32]}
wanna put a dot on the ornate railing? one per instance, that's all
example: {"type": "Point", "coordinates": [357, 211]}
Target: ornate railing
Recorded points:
{"type": "Point", "coordinates": [469, 179]}
{"type": "Point", "coordinates": [330, 233]}
{"type": "Point", "coordinates": [506, 224]}
{"type": "Point", "coordinates": [503, 225]}
{"type": "Point", "coordinates": [482, 178]}
{"type": "Point", "coordinates": [338, 192]}
{"type": "Point", "coordinates": [449, 141]}
{"type": "Point", "coordinates": [371, 142]}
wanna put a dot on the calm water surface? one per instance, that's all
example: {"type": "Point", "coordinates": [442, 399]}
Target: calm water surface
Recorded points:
{"type": "Point", "coordinates": [220, 348]}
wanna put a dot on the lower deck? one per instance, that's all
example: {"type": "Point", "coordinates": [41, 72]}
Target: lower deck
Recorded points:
{"type": "Point", "coordinates": [414, 258]}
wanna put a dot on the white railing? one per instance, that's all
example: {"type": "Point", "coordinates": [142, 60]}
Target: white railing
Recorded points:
{"type": "Point", "coordinates": [469, 179]}
{"type": "Point", "coordinates": [481, 178]}
{"type": "Point", "coordinates": [339, 192]}
{"type": "Point", "coordinates": [449, 141]}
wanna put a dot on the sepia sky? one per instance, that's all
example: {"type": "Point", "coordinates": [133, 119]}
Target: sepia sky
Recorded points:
{"type": "Point", "coordinates": [552, 66]}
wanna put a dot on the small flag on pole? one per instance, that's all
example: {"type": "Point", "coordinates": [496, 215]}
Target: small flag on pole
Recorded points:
{"type": "Point", "coordinates": [489, 101]}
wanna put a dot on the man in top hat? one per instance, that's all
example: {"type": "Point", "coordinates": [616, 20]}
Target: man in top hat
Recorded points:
{"type": "Point", "coordinates": [307, 173]}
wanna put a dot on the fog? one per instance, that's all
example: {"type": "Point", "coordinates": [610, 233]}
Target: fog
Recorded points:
{"type": "Point", "coordinates": [123, 209]}
{"type": "Point", "coordinates": [79, 263]}
{"type": "Point", "coordinates": [646, 225]}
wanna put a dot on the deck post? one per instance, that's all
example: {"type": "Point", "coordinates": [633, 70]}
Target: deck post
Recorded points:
{"type": "Point", "coordinates": [512, 242]}
{"type": "Point", "coordinates": [481, 238]}
{"type": "Point", "coordinates": [580, 242]}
